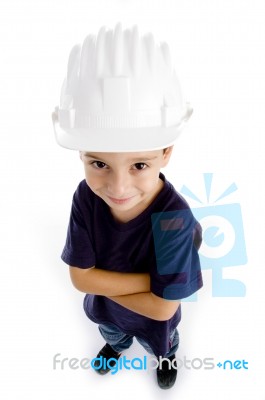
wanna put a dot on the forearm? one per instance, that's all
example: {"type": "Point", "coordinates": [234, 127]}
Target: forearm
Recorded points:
{"type": "Point", "coordinates": [148, 305]}
{"type": "Point", "coordinates": [109, 283]}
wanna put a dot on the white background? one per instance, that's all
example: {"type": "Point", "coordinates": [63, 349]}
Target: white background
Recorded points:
{"type": "Point", "coordinates": [218, 49]}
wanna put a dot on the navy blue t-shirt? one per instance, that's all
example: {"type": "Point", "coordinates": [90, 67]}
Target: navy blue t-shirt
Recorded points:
{"type": "Point", "coordinates": [163, 241]}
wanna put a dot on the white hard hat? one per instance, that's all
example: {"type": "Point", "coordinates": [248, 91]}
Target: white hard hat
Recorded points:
{"type": "Point", "coordinates": [121, 94]}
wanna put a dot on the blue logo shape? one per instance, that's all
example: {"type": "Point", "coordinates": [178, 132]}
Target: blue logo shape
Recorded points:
{"type": "Point", "coordinates": [212, 238]}
{"type": "Point", "coordinates": [223, 238]}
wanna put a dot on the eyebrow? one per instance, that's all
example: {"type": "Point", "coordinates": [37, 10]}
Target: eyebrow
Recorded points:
{"type": "Point", "coordinates": [131, 160]}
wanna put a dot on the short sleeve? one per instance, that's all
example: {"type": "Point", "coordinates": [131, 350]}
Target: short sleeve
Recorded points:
{"type": "Point", "coordinates": [177, 238]}
{"type": "Point", "coordinates": [78, 250]}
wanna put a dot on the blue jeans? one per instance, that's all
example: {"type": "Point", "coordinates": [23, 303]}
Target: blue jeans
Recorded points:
{"type": "Point", "coordinates": [119, 341]}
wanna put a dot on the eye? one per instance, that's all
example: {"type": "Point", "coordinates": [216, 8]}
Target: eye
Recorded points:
{"type": "Point", "coordinates": [99, 164]}
{"type": "Point", "coordinates": [140, 166]}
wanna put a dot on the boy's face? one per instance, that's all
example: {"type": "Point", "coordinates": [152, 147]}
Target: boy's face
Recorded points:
{"type": "Point", "coordinates": [127, 182]}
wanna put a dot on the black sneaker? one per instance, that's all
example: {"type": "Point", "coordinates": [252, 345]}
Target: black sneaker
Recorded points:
{"type": "Point", "coordinates": [104, 355]}
{"type": "Point", "coordinates": [167, 375]}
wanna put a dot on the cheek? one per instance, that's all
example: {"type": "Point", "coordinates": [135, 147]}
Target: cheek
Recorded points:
{"type": "Point", "coordinates": [92, 180]}
{"type": "Point", "coordinates": [148, 183]}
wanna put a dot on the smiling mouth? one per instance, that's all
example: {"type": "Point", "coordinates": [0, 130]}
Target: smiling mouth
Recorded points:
{"type": "Point", "coordinates": [120, 201]}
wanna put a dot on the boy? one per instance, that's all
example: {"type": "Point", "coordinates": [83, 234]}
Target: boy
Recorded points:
{"type": "Point", "coordinates": [132, 241]}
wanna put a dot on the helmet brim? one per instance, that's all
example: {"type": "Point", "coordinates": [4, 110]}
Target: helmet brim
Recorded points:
{"type": "Point", "coordinates": [118, 139]}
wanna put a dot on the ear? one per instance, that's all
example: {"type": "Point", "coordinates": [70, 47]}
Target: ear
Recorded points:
{"type": "Point", "coordinates": [166, 155]}
{"type": "Point", "coordinates": [81, 155]}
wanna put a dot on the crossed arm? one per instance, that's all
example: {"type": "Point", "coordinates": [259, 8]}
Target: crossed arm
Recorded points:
{"type": "Point", "coordinates": [130, 290]}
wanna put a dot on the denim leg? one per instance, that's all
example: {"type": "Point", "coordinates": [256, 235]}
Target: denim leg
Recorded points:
{"type": "Point", "coordinates": [145, 345]}
{"type": "Point", "coordinates": [173, 343]}
{"type": "Point", "coordinates": [118, 340]}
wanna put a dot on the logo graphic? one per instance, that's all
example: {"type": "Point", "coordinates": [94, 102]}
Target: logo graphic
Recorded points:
{"type": "Point", "coordinates": [223, 242]}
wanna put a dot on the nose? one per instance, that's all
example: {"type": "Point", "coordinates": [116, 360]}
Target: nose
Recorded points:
{"type": "Point", "coordinates": [118, 184]}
